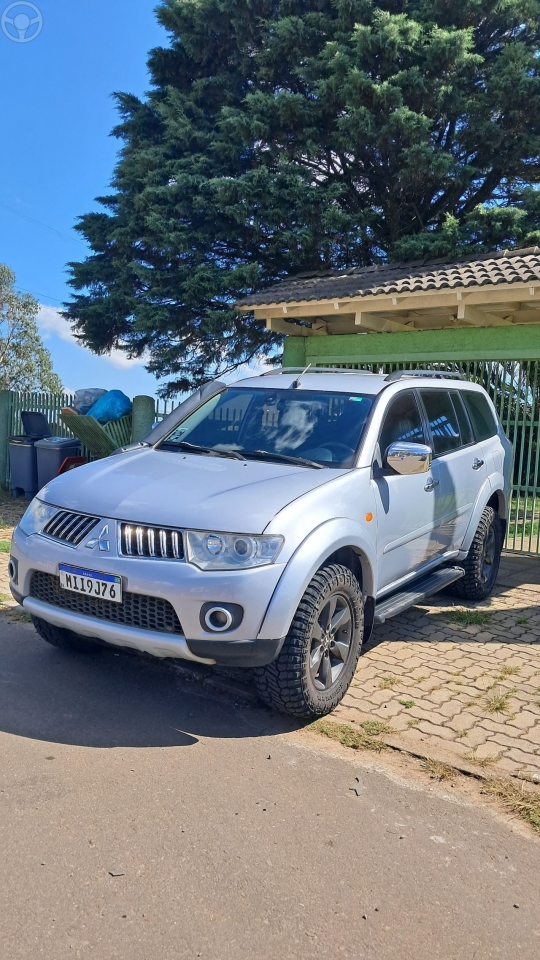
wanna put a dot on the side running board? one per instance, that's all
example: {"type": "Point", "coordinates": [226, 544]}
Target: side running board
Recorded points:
{"type": "Point", "coordinates": [416, 592]}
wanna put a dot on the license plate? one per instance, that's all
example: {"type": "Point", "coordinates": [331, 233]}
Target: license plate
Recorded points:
{"type": "Point", "coordinates": [92, 583]}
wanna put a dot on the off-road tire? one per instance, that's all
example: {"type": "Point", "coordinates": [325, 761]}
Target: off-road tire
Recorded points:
{"type": "Point", "coordinates": [64, 639]}
{"type": "Point", "coordinates": [286, 684]}
{"type": "Point", "coordinates": [474, 586]}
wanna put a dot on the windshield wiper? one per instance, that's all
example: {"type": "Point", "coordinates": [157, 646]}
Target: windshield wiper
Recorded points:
{"type": "Point", "coordinates": [196, 448]}
{"type": "Point", "coordinates": [268, 455]}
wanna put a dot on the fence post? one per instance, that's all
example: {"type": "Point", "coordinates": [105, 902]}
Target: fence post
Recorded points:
{"type": "Point", "coordinates": [5, 408]}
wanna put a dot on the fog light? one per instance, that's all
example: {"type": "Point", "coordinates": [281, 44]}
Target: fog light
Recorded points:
{"type": "Point", "coordinates": [13, 570]}
{"type": "Point", "coordinates": [218, 619]}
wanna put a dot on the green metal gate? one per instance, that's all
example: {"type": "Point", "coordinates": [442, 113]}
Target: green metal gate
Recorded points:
{"type": "Point", "coordinates": [514, 387]}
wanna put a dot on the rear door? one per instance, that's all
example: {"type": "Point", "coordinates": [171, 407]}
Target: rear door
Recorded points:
{"type": "Point", "coordinates": [461, 467]}
{"type": "Point", "coordinates": [406, 505]}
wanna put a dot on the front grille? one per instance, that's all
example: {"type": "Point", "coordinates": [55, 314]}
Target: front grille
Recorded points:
{"type": "Point", "coordinates": [159, 542]}
{"type": "Point", "coordinates": [70, 527]}
{"type": "Point", "coordinates": [136, 609]}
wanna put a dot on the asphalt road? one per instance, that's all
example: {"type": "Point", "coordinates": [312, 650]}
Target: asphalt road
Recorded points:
{"type": "Point", "coordinates": [232, 834]}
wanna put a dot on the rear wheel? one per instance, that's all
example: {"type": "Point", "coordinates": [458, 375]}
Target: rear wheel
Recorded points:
{"type": "Point", "coordinates": [64, 639]}
{"type": "Point", "coordinates": [481, 564]}
{"type": "Point", "coordinates": [317, 661]}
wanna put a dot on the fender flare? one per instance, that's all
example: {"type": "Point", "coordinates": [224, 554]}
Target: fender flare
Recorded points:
{"type": "Point", "coordinates": [486, 492]}
{"type": "Point", "coordinates": [304, 563]}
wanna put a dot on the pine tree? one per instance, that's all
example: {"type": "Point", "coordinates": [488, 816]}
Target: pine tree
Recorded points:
{"type": "Point", "coordinates": [25, 363]}
{"type": "Point", "coordinates": [282, 136]}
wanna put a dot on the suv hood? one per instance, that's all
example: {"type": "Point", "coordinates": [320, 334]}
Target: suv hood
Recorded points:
{"type": "Point", "coordinates": [185, 490]}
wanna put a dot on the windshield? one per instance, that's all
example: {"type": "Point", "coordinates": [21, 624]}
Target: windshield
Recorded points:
{"type": "Point", "coordinates": [305, 427]}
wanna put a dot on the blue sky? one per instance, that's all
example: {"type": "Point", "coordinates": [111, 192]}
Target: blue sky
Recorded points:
{"type": "Point", "coordinates": [57, 155]}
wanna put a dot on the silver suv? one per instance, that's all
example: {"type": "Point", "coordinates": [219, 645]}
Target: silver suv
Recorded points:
{"type": "Point", "coordinates": [271, 523]}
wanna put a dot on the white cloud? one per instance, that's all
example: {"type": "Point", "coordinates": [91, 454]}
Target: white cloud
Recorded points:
{"type": "Point", "coordinates": [52, 324]}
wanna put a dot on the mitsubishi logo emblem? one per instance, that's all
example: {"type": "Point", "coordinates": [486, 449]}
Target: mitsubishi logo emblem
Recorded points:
{"type": "Point", "coordinates": [102, 539]}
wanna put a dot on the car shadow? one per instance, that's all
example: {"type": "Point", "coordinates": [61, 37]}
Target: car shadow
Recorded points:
{"type": "Point", "coordinates": [110, 699]}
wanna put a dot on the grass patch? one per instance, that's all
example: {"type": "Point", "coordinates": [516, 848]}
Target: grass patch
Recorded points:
{"type": "Point", "coordinates": [481, 762]}
{"type": "Point", "coordinates": [468, 618]}
{"type": "Point", "coordinates": [5, 546]}
{"type": "Point", "coordinates": [389, 681]}
{"type": "Point", "coordinates": [375, 728]}
{"type": "Point", "coordinates": [522, 620]}
{"type": "Point", "coordinates": [508, 672]}
{"type": "Point", "coordinates": [438, 770]}
{"type": "Point", "coordinates": [17, 615]}
{"type": "Point", "coordinates": [344, 734]}
{"type": "Point", "coordinates": [497, 702]}
{"type": "Point", "coordinates": [407, 704]}
{"type": "Point", "coordinates": [4, 598]}
{"type": "Point", "coordinates": [412, 722]}
{"type": "Point", "coordinates": [525, 803]}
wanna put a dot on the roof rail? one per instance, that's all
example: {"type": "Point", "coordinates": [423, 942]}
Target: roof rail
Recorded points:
{"type": "Point", "coordinates": [426, 374]}
{"type": "Point", "coordinates": [363, 373]}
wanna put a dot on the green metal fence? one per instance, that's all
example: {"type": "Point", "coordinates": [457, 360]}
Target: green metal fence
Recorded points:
{"type": "Point", "coordinates": [513, 385]}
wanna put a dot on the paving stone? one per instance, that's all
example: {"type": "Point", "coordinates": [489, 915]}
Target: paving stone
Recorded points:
{"type": "Point", "coordinates": [524, 720]}
{"type": "Point", "coordinates": [432, 730]}
{"type": "Point", "coordinates": [521, 756]}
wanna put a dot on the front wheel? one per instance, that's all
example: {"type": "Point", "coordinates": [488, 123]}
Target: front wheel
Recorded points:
{"type": "Point", "coordinates": [316, 664]}
{"type": "Point", "coordinates": [65, 639]}
{"type": "Point", "coordinates": [481, 564]}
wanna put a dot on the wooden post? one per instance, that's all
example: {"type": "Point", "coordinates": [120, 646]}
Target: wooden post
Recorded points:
{"type": "Point", "coordinates": [144, 414]}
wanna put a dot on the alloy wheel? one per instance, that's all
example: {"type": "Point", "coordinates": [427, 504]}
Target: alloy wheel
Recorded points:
{"type": "Point", "coordinates": [331, 638]}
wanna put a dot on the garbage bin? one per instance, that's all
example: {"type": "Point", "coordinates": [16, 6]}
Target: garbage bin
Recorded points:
{"type": "Point", "coordinates": [22, 454]}
{"type": "Point", "coordinates": [23, 466]}
{"type": "Point", "coordinates": [51, 453]}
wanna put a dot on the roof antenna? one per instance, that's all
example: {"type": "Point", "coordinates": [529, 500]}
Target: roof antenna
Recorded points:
{"type": "Point", "coordinates": [296, 383]}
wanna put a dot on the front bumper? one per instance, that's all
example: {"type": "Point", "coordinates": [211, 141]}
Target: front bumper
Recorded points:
{"type": "Point", "coordinates": [183, 585]}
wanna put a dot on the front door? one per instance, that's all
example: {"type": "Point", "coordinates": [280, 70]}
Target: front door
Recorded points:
{"type": "Point", "coordinates": [407, 506]}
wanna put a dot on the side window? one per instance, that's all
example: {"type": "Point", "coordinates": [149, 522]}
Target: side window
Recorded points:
{"type": "Point", "coordinates": [443, 422]}
{"type": "Point", "coordinates": [480, 414]}
{"type": "Point", "coordinates": [465, 428]}
{"type": "Point", "coordinates": [403, 421]}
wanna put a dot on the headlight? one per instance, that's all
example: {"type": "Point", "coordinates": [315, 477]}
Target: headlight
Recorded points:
{"type": "Point", "coordinates": [230, 551]}
{"type": "Point", "coordinates": [36, 517]}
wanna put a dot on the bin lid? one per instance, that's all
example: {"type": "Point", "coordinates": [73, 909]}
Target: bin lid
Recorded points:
{"type": "Point", "coordinates": [56, 443]}
{"type": "Point", "coordinates": [23, 440]}
{"type": "Point", "coordinates": [35, 424]}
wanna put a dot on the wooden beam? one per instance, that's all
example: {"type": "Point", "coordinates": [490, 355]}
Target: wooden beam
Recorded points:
{"type": "Point", "coordinates": [480, 318]}
{"type": "Point", "coordinates": [374, 322]}
{"type": "Point", "coordinates": [278, 325]}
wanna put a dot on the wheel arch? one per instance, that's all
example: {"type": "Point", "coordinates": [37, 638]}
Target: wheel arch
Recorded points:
{"type": "Point", "coordinates": [486, 498]}
{"type": "Point", "coordinates": [336, 541]}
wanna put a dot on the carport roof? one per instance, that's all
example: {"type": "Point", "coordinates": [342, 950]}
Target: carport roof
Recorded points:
{"type": "Point", "coordinates": [489, 269]}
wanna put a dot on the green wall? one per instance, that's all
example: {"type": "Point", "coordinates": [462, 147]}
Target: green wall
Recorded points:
{"type": "Point", "coordinates": [476, 343]}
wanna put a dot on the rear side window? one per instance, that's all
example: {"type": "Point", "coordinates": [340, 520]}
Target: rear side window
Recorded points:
{"type": "Point", "coordinates": [463, 420]}
{"type": "Point", "coordinates": [481, 415]}
{"type": "Point", "coordinates": [443, 421]}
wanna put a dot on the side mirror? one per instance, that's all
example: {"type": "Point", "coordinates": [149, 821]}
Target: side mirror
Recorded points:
{"type": "Point", "coordinates": [408, 458]}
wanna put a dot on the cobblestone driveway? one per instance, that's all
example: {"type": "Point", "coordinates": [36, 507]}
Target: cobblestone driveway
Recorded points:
{"type": "Point", "coordinates": [459, 692]}
{"type": "Point", "coordinates": [464, 693]}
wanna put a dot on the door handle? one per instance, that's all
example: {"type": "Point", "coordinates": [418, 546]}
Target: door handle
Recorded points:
{"type": "Point", "coordinates": [477, 464]}
{"type": "Point", "coordinates": [431, 484]}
